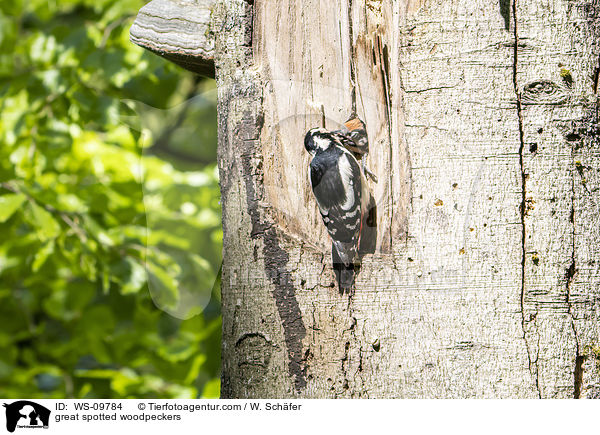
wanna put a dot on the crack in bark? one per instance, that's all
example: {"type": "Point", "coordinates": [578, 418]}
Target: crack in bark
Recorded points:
{"type": "Point", "coordinates": [569, 275]}
{"type": "Point", "coordinates": [345, 383]}
{"type": "Point", "coordinates": [352, 59]}
{"type": "Point", "coordinates": [578, 374]}
{"type": "Point", "coordinates": [596, 77]}
{"type": "Point", "coordinates": [364, 392]}
{"type": "Point", "coordinates": [384, 69]}
{"type": "Point", "coordinates": [435, 88]}
{"type": "Point", "coordinates": [522, 208]}
{"type": "Point", "coordinates": [345, 359]}
{"type": "Point", "coordinates": [388, 113]}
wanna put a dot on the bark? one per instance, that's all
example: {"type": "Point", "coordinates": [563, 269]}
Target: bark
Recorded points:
{"type": "Point", "coordinates": [483, 125]}
{"type": "Point", "coordinates": [178, 30]}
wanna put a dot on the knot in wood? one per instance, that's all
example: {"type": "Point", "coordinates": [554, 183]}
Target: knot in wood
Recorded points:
{"type": "Point", "coordinates": [543, 92]}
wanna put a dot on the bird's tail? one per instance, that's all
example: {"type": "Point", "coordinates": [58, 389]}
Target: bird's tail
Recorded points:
{"type": "Point", "coordinates": [344, 273]}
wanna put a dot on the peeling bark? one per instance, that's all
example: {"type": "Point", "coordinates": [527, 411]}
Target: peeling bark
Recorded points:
{"type": "Point", "coordinates": [178, 30]}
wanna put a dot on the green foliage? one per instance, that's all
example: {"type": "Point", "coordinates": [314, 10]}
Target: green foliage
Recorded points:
{"type": "Point", "coordinates": [111, 237]}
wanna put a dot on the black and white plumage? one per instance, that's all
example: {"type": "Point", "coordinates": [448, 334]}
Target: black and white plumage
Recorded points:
{"type": "Point", "coordinates": [343, 198]}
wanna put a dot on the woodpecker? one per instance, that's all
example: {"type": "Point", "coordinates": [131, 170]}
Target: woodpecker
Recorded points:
{"type": "Point", "coordinates": [354, 139]}
{"type": "Point", "coordinates": [344, 200]}
{"type": "Point", "coordinates": [357, 133]}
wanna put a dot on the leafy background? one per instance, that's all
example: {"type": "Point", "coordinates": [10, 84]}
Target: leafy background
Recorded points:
{"type": "Point", "coordinates": [110, 237]}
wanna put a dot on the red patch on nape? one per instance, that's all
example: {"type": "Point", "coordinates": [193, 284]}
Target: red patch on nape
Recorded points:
{"type": "Point", "coordinates": [353, 124]}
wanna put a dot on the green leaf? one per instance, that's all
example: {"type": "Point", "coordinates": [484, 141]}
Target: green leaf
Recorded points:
{"type": "Point", "coordinates": [44, 223]}
{"type": "Point", "coordinates": [105, 280]}
{"type": "Point", "coordinates": [179, 349]}
{"type": "Point", "coordinates": [42, 255]}
{"type": "Point", "coordinates": [9, 204]}
{"type": "Point", "coordinates": [130, 274]}
{"type": "Point", "coordinates": [197, 363]}
{"type": "Point", "coordinates": [212, 389]}
{"type": "Point", "coordinates": [163, 287]}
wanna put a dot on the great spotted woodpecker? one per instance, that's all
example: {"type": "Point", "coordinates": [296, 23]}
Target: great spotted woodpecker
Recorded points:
{"type": "Point", "coordinates": [354, 139]}
{"type": "Point", "coordinates": [357, 133]}
{"type": "Point", "coordinates": [344, 200]}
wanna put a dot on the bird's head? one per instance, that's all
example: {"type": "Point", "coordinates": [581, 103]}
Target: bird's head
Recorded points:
{"type": "Point", "coordinates": [317, 139]}
{"type": "Point", "coordinates": [355, 123]}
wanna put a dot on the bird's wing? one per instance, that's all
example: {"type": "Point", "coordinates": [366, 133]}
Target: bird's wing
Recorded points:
{"type": "Point", "coordinates": [338, 188]}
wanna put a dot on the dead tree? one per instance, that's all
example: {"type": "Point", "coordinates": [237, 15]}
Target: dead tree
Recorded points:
{"type": "Point", "coordinates": [483, 126]}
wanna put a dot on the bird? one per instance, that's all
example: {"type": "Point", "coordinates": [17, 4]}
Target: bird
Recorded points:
{"type": "Point", "coordinates": [346, 205]}
{"type": "Point", "coordinates": [356, 131]}
{"type": "Point", "coordinates": [354, 139]}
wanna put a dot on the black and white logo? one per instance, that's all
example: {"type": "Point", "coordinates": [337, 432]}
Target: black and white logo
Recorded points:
{"type": "Point", "coordinates": [26, 415]}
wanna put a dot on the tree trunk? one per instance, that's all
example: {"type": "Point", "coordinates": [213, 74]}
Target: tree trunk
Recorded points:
{"type": "Point", "coordinates": [483, 129]}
